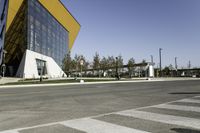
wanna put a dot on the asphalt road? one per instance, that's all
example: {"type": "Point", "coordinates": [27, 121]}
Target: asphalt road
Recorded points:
{"type": "Point", "coordinates": [159, 107]}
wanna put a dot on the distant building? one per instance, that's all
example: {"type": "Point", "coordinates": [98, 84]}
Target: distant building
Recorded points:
{"type": "Point", "coordinates": [39, 33]}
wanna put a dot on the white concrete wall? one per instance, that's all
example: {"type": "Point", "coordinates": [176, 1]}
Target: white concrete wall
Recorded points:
{"type": "Point", "coordinates": [28, 66]}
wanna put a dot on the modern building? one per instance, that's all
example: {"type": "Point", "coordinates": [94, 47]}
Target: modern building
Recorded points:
{"type": "Point", "coordinates": [39, 33]}
{"type": "Point", "coordinates": [3, 16]}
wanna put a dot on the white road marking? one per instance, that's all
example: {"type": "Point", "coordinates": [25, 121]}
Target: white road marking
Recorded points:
{"type": "Point", "coordinates": [26, 128]}
{"type": "Point", "coordinates": [189, 101]}
{"type": "Point", "coordinates": [168, 119]}
{"type": "Point", "coordinates": [95, 126]}
{"type": "Point", "coordinates": [178, 107]}
{"type": "Point", "coordinates": [96, 116]}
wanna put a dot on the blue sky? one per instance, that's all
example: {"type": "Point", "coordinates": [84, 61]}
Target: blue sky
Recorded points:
{"type": "Point", "coordinates": [138, 28]}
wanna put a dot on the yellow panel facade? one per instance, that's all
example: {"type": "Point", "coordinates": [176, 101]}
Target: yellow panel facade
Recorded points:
{"type": "Point", "coordinates": [13, 7]}
{"type": "Point", "coordinates": [57, 9]}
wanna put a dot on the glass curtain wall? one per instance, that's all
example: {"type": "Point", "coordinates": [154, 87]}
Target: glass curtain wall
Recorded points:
{"type": "Point", "coordinates": [45, 34]}
{"type": "Point", "coordinates": [3, 15]}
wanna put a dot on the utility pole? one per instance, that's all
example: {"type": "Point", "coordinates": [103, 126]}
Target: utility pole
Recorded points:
{"type": "Point", "coordinates": [151, 58]}
{"type": "Point", "coordinates": [189, 64]}
{"type": "Point", "coordinates": [176, 66]}
{"type": "Point", "coordinates": [160, 56]}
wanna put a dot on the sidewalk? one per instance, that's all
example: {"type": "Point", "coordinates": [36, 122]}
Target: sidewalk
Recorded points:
{"type": "Point", "coordinates": [142, 80]}
{"type": "Point", "coordinates": [5, 80]}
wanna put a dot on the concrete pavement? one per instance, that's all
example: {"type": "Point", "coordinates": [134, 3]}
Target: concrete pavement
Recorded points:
{"type": "Point", "coordinates": [102, 108]}
{"type": "Point", "coordinates": [4, 80]}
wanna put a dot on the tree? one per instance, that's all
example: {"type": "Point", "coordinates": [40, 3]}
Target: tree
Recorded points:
{"type": "Point", "coordinates": [171, 67]}
{"type": "Point", "coordinates": [104, 64]}
{"type": "Point", "coordinates": [120, 62]}
{"type": "Point", "coordinates": [166, 71]}
{"type": "Point", "coordinates": [73, 65]}
{"type": "Point", "coordinates": [143, 68]}
{"type": "Point", "coordinates": [131, 67]}
{"type": "Point", "coordinates": [111, 65]}
{"type": "Point", "coordinates": [77, 59]}
{"type": "Point", "coordinates": [96, 61]}
{"type": "Point", "coordinates": [144, 61]}
{"type": "Point", "coordinates": [85, 64]}
{"type": "Point", "coordinates": [67, 63]}
{"type": "Point", "coordinates": [111, 61]}
{"type": "Point", "coordinates": [76, 63]}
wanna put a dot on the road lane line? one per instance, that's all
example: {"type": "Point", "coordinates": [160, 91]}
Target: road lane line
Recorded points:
{"type": "Point", "coordinates": [189, 101]}
{"type": "Point", "coordinates": [95, 126]}
{"type": "Point", "coordinates": [178, 107]}
{"type": "Point", "coordinates": [168, 119]}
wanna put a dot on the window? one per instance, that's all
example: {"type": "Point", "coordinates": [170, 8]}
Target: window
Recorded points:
{"type": "Point", "coordinates": [41, 66]}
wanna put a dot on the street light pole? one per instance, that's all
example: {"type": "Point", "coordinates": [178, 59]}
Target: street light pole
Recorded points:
{"type": "Point", "coordinates": [176, 66]}
{"type": "Point", "coordinates": [160, 56]}
{"type": "Point", "coordinates": [81, 63]}
{"type": "Point", "coordinates": [117, 74]}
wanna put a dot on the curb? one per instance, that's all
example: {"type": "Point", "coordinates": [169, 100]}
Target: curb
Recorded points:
{"type": "Point", "coordinates": [68, 84]}
{"type": "Point", "coordinates": [91, 83]}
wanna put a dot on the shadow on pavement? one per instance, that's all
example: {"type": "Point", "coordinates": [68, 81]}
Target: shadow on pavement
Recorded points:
{"type": "Point", "coordinates": [184, 130]}
{"type": "Point", "coordinates": [182, 93]}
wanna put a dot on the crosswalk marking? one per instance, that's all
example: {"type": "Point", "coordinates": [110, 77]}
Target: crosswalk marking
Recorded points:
{"type": "Point", "coordinates": [189, 101]}
{"type": "Point", "coordinates": [169, 119]}
{"type": "Point", "coordinates": [95, 126]}
{"type": "Point", "coordinates": [91, 125]}
{"type": "Point", "coordinates": [178, 107]}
